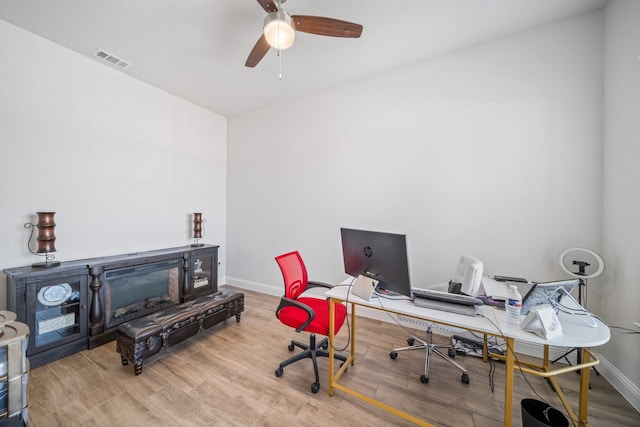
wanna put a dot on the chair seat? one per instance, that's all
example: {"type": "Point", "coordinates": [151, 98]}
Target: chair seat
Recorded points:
{"type": "Point", "coordinates": [294, 317]}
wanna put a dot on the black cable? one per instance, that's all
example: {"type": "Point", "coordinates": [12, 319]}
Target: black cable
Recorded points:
{"type": "Point", "coordinates": [346, 319]}
{"type": "Point", "coordinates": [495, 339]}
{"type": "Point", "coordinates": [509, 348]}
{"type": "Point", "coordinates": [391, 316]}
{"type": "Point", "coordinates": [379, 299]}
{"type": "Point", "coordinates": [492, 370]}
{"type": "Point", "coordinates": [476, 347]}
{"type": "Point", "coordinates": [350, 285]}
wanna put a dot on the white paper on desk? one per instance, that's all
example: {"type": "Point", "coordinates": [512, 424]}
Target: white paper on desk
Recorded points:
{"type": "Point", "coordinates": [542, 320]}
{"type": "Point", "coordinates": [494, 289]}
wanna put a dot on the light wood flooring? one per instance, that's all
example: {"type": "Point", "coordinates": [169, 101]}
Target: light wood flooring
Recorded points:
{"type": "Point", "coordinates": [225, 377]}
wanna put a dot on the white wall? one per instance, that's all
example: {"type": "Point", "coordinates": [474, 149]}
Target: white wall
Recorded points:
{"type": "Point", "coordinates": [123, 164]}
{"type": "Point", "coordinates": [493, 151]}
{"type": "Point", "coordinates": [621, 289]}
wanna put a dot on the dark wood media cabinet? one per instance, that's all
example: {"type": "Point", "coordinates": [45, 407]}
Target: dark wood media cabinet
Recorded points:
{"type": "Point", "coordinates": [70, 308]}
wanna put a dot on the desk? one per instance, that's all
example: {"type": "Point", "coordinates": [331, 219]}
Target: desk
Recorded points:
{"type": "Point", "coordinates": [576, 334]}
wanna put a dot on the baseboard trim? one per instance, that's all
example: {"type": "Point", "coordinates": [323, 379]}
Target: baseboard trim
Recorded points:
{"type": "Point", "coordinates": [626, 388]}
{"type": "Point", "coordinates": [254, 286]}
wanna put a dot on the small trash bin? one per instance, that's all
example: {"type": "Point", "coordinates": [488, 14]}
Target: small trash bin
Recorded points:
{"type": "Point", "coordinates": [539, 414]}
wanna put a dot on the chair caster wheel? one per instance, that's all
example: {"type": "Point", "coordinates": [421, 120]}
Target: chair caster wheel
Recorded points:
{"type": "Point", "coordinates": [410, 341]}
{"type": "Point", "coordinates": [279, 372]}
{"type": "Point", "coordinates": [451, 352]}
{"type": "Point", "coordinates": [393, 354]}
{"type": "Point", "coordinates": [465, 378]}
{"type": "Point", "coordinates": [325, 345]}
{"type": "Point", "coordinates": [424, 379]}
{"type": "Point", "coordinates": [315, 387]}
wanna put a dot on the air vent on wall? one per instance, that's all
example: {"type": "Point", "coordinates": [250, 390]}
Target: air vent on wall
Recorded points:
{"type": "Point", "coordinates": [111, 59]}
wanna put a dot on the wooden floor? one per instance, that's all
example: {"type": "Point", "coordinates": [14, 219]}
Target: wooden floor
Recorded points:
{"type": "Point", "coordinates": [225, 377]}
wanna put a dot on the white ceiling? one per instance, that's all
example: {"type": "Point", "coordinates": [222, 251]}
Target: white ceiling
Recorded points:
{"type": "Point", "coordinates": [196, 49]}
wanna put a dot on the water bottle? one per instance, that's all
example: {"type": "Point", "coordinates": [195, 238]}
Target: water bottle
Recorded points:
{"type": "Point", "coordinates": [514, 306]}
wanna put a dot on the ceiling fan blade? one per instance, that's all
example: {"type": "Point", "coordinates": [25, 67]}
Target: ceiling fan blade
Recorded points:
{"type": "Point", "coordinates": [258, 52]}
{"type": "Point", "coordinates": [268, 5]}
{"type": "Point", "coordinates": [326, 26]}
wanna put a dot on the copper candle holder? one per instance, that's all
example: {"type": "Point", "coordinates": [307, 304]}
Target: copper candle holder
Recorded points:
{"type": "Point", "coordinates": [46, 239]}
{"type": "Point", "coordinates": [197, 229]}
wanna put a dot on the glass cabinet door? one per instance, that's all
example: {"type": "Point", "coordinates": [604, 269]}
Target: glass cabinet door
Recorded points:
{"type": "Point", "coordinates": [201, 277]}
{"type": "Point", "coordinates": [204, 272]}
{"type": "Point", "coordinates": [57, 311]}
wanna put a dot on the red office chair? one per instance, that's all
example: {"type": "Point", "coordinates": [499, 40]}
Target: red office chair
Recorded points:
{"type": "Point", "coordinates": [305, 313]}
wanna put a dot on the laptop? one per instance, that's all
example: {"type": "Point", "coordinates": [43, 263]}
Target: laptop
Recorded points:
{"type": "Point", "coordinates": [546, 293]}
{"type": "Point", "coordinates": [499, 289]}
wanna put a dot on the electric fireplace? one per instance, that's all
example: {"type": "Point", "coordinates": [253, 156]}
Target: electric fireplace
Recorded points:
{"type": "Point", "coordinates": [132, 292]}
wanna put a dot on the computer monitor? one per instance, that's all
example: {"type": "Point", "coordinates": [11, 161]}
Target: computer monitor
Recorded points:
{"type": "Point", "coordinates": [378, 255]}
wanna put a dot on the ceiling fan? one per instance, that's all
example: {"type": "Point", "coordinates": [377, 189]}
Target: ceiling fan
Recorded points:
{"type": "Point", "coordinates": [280, 28]}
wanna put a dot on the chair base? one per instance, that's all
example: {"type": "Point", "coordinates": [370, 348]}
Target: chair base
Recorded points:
{"type": "Point", "coordinates": [430, 349]}
{"type": "Point", "coordinates": [311, 351]}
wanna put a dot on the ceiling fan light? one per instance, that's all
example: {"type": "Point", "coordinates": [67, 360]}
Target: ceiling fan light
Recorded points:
{"type": "Point", "coordinates": [279, 30]}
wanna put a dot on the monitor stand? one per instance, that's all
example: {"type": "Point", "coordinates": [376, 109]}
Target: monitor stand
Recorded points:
{"type": "Point", "coordinates": [364, 287]}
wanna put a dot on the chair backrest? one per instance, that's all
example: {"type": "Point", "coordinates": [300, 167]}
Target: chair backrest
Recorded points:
{"type": "Point", "coordinates": [294, 273]}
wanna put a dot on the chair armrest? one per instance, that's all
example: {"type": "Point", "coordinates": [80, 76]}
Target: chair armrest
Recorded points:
{"type": "Point", "coordinates": [288, 302]}
{"type": "Point", "coordinates": [315, 284]}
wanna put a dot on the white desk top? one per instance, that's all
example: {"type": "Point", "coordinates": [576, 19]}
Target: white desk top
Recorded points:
{"type": "Point", "coordinates": [491, 321]}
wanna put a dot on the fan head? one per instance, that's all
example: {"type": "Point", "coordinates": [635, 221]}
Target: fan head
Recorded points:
{"type": "Point", "coordinates": [581, 263]}
{"type": "Point", "coordinates": [280, 27]}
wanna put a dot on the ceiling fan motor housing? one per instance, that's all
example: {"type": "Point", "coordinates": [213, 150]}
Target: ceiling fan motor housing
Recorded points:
{"type": "Point", "coordinates": [279, 29]}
